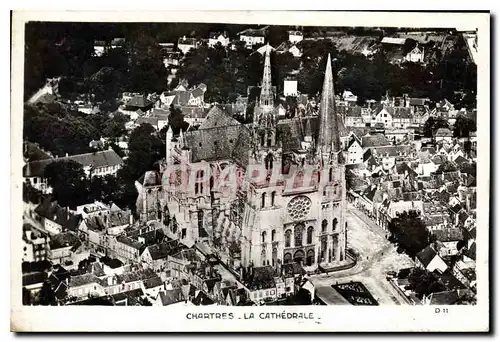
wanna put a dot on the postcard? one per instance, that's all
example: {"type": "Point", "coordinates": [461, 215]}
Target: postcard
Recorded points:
{"type": "Point", "coordinates": [250, 171]}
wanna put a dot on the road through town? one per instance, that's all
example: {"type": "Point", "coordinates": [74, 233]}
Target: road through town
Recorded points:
{"type": "Point", "coordinates": [377, 256]}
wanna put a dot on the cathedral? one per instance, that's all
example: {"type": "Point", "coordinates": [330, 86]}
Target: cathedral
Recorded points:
{"type": "Point", "coordinates": [287, 198]}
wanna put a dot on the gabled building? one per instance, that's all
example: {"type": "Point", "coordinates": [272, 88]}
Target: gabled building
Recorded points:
{"type": "Point", "coordinates": [185, 44]}
{"type": "Point", "coordinates": [253, 37]}
{"type": "Point", "coordinates": [215, 38]}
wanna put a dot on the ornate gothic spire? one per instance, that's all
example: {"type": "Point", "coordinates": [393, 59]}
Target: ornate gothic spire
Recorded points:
{"type": "Point", "coordinates": [266, 91]}
{"type": "Point", "coordinates": [329, 138]}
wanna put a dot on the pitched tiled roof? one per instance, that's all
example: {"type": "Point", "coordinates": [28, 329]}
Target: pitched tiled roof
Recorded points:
{"type": "Point", "coordinates": [139, 101]}
{"type": "Point", "coordinates": [354, 111]}
{"type": "Point", "coordinates": [416, 101]}
{"type": "Point", "coordinates": [153, 121]}
{"type": "Point", "coordinates": [84, 279]}
{"type": "Point", "coordinates": [402, 113]}
{"type": "Point", "coordinates": [94, 159]}
{"type": "Point", "coordinates": [443, 298]}
{"type": "Point", "coordinates": [426, 255]}
{"type": "Point", "coordinates": [202, 299]}
{"type": "Point", "coordinates": [374, 140]}
{"type": "Point", "coordinates": [34, 278]}
{"type": "Point", "coordinates": [58, 214]}
{"type": "Point", "coordinates": [164, 249]}
{"type": "Point", "coordinates": [130, 242]}
{"type": "Point", "coordinates": [216, 117]}
{"type": "Point", "coordinates": [217, 143]}
{"type": "Point", "coordinates": [142, 274]}
{"type": "Point", "coordinates": [33, 153]}
{"type": "Point", "coordinates": [63, 240]}
{"type": "Point", "coordinates": [152, 282]}
{"type": "Point", "coordinates": [448, 234]}
{"type": "Point", "coordinates": [443, 132]}
{"type": "Point", "coordinates": [391, 151]}
{"type": "Point", "coordinates": [168, 297]}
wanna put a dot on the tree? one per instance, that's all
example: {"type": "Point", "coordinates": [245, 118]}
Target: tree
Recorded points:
{"type": "Point", "coordinates": [423, 283]}
{"type": "Point", "coordinates": [463, 126]}
{"type": "Point", "coordinates": [47, 295]}
{"type": "Point", "coordinates": [176, 120]}
{"type": "Point", "coordinates": [68, 181]}
{"type": "Point", "coordinates": [433, 124]}
{"type": "Point", "coordinates": [409, 232]}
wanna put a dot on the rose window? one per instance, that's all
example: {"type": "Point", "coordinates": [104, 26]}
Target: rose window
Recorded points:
{"type": "Point", "coordinates": [299, 207]}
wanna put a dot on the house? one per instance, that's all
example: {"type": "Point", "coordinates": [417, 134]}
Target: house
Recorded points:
{"type": "Point", "coordinates": [152, 286]}
{"type": "Point", "coordinates": [383, 115]}
{"type": "Point", "coordinates": [182, 97]}
{"type": "Point", "coordinates": [443, 134]}
{"type": "Point", "coordinates": [285, 47]}
{"type": "Point", "coordinates": [416, 55]}
{"type": "Point", "coordinates": [171, 59]}
{"type": "Point", "coordinates": [63, 246]}
{"type": "Point", "coordinates": [127, 281]}
{"type": "Point", "coordinates": [126, 249]}
{"type": "Point", "coordinates": [99, 163]}
{"type": "Point", "coordinates": [448, 239]}
{"type": "Point", "coordinates": [85, 285]}
{"type": "Point", "coordinates": [35, 244]}
{"type": "Point", "coordinates": [156, 256]}
{"type": "Point", "coordinates": [295, 36]}
{"type": "Point", "coordinates": [56, 219]}
{"type": "Point", "coordinates": [401, 117]}
{"type": "Point", "coordinates": [373, 141]}
{"type": "Point", "coordinates": [261, 284]}
{"type": "Point", "coordinates": [99, 47]}
{"type": "Point", "coordinates": [185, 44]}
{"type": "Point", "coordinates": [136, 106]}
{"type": "Point", "coordinates": [253, 37]}
{"type": "Point", "coordinates": [169, 297]}
{"type": "Point", "coordinates": [353, 117]}
{"type": "Point", "coordinates": [354, 150]}
{"type": "Point", "coordinates": [217, 37]}
{"type": "Point", "coordinates": [429, 259]}
{"type": "Point", "coordinates": [161, 117]}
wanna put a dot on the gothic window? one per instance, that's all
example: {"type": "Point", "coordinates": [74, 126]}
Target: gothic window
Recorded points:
{"type": "Point", "coordinates": [262, 139]}
{"type": "Point", "coordinates": [287, 258]}
{"type": "Point", "coordinates": [263, 257]}
{"type": "Point", "coordinates": [298, 232]}
{"type": "Point", "coordinates": [299, 207]}
{"type": "Point", "coordinates": [310, 231]}
{"type": "Point", "coordinates": [273, 235]}
{"type": "Point", "coordinates": [274, 256]}
{"type": "Point", "coordinates": [264, 237]}
{"type": "Point", "coordinates": [269, 162]}
{"type": "Point", "coordinates": [200, 219]}
{"type": "Point", "coordinates": [263, 202]}
{"type": "Point", "coordinates": [334, 224]}
{"type": "Point", "coordinates": [273, 196]}
{"type": "Point", "coordinates": [330, 175]}
{"type": "Point", "coordinates": [324, 225]}
{"type": "Point", "coordinates": [310, 257]}
{"type": "Point", "coordinates": [268, 142]}
{"type": "Point", "coordinates": [288, 238]}
{"type": "Point", "coordinates": [198, 186]}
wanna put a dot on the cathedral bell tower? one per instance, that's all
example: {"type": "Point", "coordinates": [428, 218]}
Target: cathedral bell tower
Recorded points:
{"type": "Point", "coordinates": [330, 160]}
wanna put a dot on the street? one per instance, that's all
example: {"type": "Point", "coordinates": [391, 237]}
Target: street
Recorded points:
{"type": "Point", "coordinates": [377, 257]}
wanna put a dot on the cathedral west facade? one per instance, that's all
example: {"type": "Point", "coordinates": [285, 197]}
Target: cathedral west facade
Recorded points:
{"type": "Point", "coordinates": [270, 192]}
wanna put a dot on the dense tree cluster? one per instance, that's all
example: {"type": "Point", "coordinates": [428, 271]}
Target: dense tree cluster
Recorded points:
{"type": "Point", "coordinates": [423, 283]}
{"type": "Point", "coordinates": [409, 232]}
{"type": "Point", "coordinates": [432, 124]}
{"type": "Point", "coordinates": [72, 187]}
{"type": "Point", "coordinates": [62, 131]}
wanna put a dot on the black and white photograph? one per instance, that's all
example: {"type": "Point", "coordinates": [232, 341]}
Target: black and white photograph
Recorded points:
{"type": "Point", "coordinates": [201, 166]}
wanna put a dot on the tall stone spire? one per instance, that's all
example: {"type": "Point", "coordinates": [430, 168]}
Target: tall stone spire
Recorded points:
{"type": "Point", "coordinates": [266, 100]}
{"type": "Point", "coordinates": [329, 138]}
